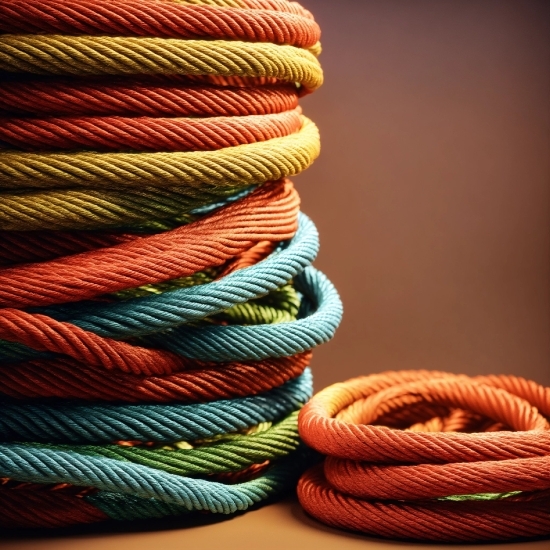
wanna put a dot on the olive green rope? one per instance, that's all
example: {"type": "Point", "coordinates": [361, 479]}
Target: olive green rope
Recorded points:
{"type": "Point", "coordinates": [230, 453]}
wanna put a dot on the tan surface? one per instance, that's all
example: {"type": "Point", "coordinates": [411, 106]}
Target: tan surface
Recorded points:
{"type": "Point", "coordinates": [276, 527]}
{"type": "Point", "coordinates": [432, 198]}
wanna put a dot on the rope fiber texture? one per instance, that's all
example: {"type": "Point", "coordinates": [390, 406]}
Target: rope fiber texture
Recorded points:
{"type": "Point", "coordinates": [431, 456]}
{"type": "Point", "coordinates": [158, 306]}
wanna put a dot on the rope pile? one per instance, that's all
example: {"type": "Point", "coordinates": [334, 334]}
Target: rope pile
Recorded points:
{"type": "Point", "coordinates": [431, 456]}
{"type": "Point", "coordinates": [158, 306]}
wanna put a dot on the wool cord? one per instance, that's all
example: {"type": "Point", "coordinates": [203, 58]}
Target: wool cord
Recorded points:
{"type": "Point", "coordinates": [158, 307]}
{"type": "Point", "coordinates": [423, 455]}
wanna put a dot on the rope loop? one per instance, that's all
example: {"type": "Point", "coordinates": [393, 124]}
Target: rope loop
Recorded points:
{"type": "Point", "coordinates": [435, 446]}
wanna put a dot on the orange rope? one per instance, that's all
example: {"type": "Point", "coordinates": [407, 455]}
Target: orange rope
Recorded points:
{"type": "Point", "coordinates": [413, 477]}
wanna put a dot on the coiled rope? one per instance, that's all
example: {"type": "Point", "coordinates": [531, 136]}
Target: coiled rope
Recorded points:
{"type": "Point", "coordinates": [426, 455]}
{"type": "Point", "coordinates": [158, 307]}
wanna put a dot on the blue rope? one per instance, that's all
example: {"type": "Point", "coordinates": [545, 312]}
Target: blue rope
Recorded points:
{"type": "Point", "coordinates": [142, 316]}
{"type": "Point", "coordinates": [74, 423]}
{"type": "Point", "coordinates": [230, 343]}
{"type": "Point", "coordinates": [123, 479]}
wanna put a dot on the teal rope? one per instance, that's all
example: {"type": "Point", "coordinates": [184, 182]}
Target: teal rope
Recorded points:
{"type": "Point", "coordinates": [103, 423]}
{"type": "Point", "coordinates": [147, 315]}
{"type": "Point", "coordinates": [279, 477]}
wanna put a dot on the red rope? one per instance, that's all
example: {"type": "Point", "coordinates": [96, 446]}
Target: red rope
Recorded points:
{"type": "Point", "coordinates": [38, 506]}
{"type": "Point", "coordinates": [199, 382]}
{"type": "Point", "coordinates": [267, 214]}
{"type": "Point", "coordinates": [156, 19]}
{"type": "Point", "coordinates": [144, 133]}
{"type": "Point", "coordinates": [434, 521]}
{"type": "Point", "coordinates": [389, 482]}
{"type": "Point", "coordinates": [140, 97]}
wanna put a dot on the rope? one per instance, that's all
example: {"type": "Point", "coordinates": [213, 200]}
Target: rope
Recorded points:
{"type": "Point", "coordinates": [228, 453]}
{"type": "Point", "coordinates": [91, 506]}
{"type": "Point", "coordinates": [240, 165]}
{"type": "Point", "coordinates": [158, 307]}
{"type": "Point", "coordinates": [160, 423]}
{"type": "Point", "coordinates": [143, 18]}
{"type": "Point", "coordinates": [266, 214]}
{"type": "Point", "coordinates": [206, 343]}
{"type": "Point", "coordinates": [101, 55]}
{"type": "Point", "coordinates": [418, 482]}
{"type": "Point", "coordinates": [98, 97]}
{"type": "Point", "coordinates": [66, 378]}
{"type": "Point", "coordinates": [144, 134]}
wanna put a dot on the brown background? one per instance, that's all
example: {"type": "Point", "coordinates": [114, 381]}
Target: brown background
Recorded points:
{"type": "Point", "coordinates": [432, 198]}
{"type": "Point", "coordinates": [432, 192]}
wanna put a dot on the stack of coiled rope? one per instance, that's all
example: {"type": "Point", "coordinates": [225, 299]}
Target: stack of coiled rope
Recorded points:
{"type": "Point", "coordinates": [423, 455]}
{"type": "Point", "coordinates": [158, 306]}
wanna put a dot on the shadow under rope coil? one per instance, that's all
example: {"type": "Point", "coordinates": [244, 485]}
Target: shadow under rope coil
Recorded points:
{"type": "Point", "coordinates": [158, 306]}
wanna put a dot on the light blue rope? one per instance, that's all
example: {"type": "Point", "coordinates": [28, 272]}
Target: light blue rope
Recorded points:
{"type": "Point", "coordinates": [161, 312]}
{"type": "Point", "coordinates": [123, 479]}
{"type": "Point", "coordinates": [104, 423]}
{"type": "Point", "coordinates": [230, 343]}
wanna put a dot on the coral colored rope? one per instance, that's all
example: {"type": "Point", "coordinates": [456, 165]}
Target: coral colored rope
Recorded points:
{"type": "Point", "coordinates": [89, 97]}
{"type": "Point", "coordinates": [430, 485]}
{"type": "Point", "coordinates": [66, 378]}
{"type": "Point", "coordinates": [144, 134]}
{"type": "Point", "coordinates": [241, 165]}
{"type": "Point", "coordinates": [270, 213]}
{"type": "Point", "coordinates": [160, 19]}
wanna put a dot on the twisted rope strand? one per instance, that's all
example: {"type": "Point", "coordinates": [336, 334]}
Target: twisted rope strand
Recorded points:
{"type": "Point", "coordinates": [243, 165]}
{"type": "Point", "coordinates": [268, 213]}
{"type": "Point", "coordinates": [161, 19]}
{"type": "Point", "coordinates": [104, 208]}
{"type": "Point", "coordinates": [442, 522]}
{"type": "Point", "coordinates": [230, 453]}
{"type": "Point", "coordinates": [89, 97]}
{"type": "Point", "coordinates": [99, 55]}
{"type": "Point", "coordinates": [162, 423]}
{"type": "Point", "coordinates": [439, 486]}
{"type": "Point", "coordinates": [205, 343]}
{"type": "Point", "coordinates": [160, 312]}
{"type": "Point", "coordinates": [144, 134]}
{"type": "Point", "coordinates": [68, 379]}
{"type": "Point", "coordinates": [141, 18]}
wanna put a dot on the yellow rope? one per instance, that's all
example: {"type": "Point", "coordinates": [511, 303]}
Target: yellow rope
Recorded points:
{"type": "Point", "coordinates": [103, 55]}
{"type": "Point", "coordinates": [243, 165]}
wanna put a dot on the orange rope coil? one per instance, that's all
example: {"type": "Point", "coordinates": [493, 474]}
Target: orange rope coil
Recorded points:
{"type": "Point", "coordinates": [430, 456]}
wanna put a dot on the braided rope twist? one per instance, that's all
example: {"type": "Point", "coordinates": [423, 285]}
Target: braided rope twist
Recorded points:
{"type": "Point", "coordinates": [182, 497]}
{"type": "Point", "coordinates": [217, 343]}
{"type": "Point", "coordinates": [269, 213]}
{"type": "Point", "coordinates": [246, 164]}
{"type": "Point", "coordinates": [161, 19]}
{"type": "Point", "coordinates": [144, 134]}
{"type": "Point", "coordinates": [228, 453]}
{"type": "Point", "coordinates": [66, 378]}
{"type": "Point", "coordinates": [161, 423]}
{"type": "Point", "coordinates": [156, 313]}
{"type": "Point", "coordinates": [89, 97]}
{"type": "Point", "coordinates": [430, 484]}
{"type": "Point", "coordinates": [99, 55]}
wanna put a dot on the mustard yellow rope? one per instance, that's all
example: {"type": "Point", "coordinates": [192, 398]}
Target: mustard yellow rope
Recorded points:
{"type": "Point", "coordinates": [241, 165]}
{"type": "Point", "coordinates": [104, 55]}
